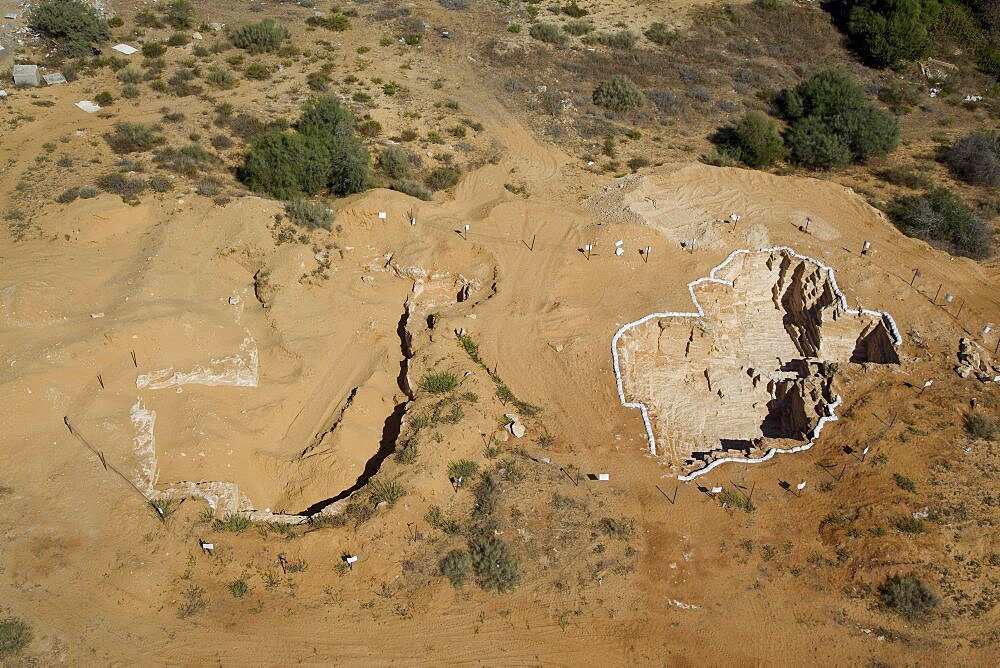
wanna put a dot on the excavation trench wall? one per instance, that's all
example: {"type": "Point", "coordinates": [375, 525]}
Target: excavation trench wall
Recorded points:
{"type": "Point", "coordinates": [808, 293]}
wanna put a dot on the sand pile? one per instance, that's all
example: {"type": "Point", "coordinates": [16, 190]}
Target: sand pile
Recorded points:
{"type": "Point", "coordinates": [755, 371]}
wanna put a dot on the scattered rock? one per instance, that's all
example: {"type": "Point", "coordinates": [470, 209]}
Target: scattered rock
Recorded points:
{"type": "Point", "coordinates": [971, 362]}
{"type": "Point", "coordinates": [514, 426]}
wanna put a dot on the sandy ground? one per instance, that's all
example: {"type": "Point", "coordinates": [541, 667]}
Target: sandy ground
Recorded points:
{"type": "Point", "coordinates": [178, 282]}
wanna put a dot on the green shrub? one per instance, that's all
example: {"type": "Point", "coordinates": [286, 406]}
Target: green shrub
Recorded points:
{"type": "Point", "coordinates": [193, 603]}
{"type": "Point", "coordinates": [900, 96]}
{"type": "Point", "coordinates": [939, 215]}
{"type": "Point", "coordinates": [412, 188]}
{"type": "Point", "coordinates": [160, 183]}
{"type": "Point", "coordinates": [660, 33]}
{"type": "Point", "coordinates": [618, 94]}
{"type": "Point", "coordinates": [68, 195]}
{"type": "Point", "coordinates": [153, 49]}
{"type": "Point", "coordinates": [811, 143]}
{"type": "Point", "coordinates": [370, 128]}
{"type": "Point", "coordinates": [335, 22]}
{"type": "Point", "coordinates": [578, 27]}
{"type": "Point", "coordinates": [637, 163]}
{"type": "Point", "coordinates": [180, 14]}
{"type": "Point", "coordinates": [904, 483]}
{"type": "Point", "coordinates": [824, 95]}
{"type": "Point", "coordinates": [232, 523]}
{"type": "Point", "coordinates": [178, 39]}
{"type": "Point", "coordinates": [731, 498]}
{"type": "Point", "coordinates": [548, 33]}
{"type": "Point", "coordinates": [463, 469]}
{"type": "Point", "coordinates": [833, 123]}
{"type": "Point", "coordinates": [908, 524]}
{"type": "Point", "coordinates": [623, 39]}
{"type": "Point", "coordinates": [128, 187]}
{"type": "Point", "coordinates": [868, 131]}
{"type": "Point", "coordinates": [325, 116]}
{"type": "Point", "coordinates": [285, 165]}
{"type": "Point", "coordinates": [188, 160]}
{"type": "Point", "coordinates": [350, 166]}
{"type": "Point", "coordinates": [495, 563]}
{"type": "Point", "coordinates": [975, 158]}
{"type": "Point", "coordinates": [908, 597]}
{"type": "Point", "coordinates": [104, 99]}
{"type": "Point", "coordinates": [257, 71]}
{"type": "Point", "coordinates": [132, 137]}
{"type": "Point", "coordinates": [407, 452]}
{"type": "Point", "coordinates": [263, 37]}
{"type": "Point", "coordinates": [756, 140]}
{"type": "Point", "coordinates": [15, 635]}
{"type": "Point", "coordinates": [388, 491]}
{"type": "Point", "coordinates": [318, 81]}
{"type": "Point", "coordinates": [887, 32]}
{"type": "Point", "coordinates": [74, 25]}
{"type": "Point", "coordinates": [130, 76]}
{"type": "Point", "coordinates": [220, 78]}
{"type": "Point", "coordinates": [239, 587]}
{"type": "Point", "coordinates": [323, 153]}
{"type": "Point", "coordinates": [456, 566]}
{"type": "Point", "coordinates": [441, 178]}
{"type": "Point", "coordinates": [437, 519]}
{"type": "Point", "coordinates": [619, 529]}
{"type": "Point", "coordinates": [310, 215]}
{"type": "Point", "coordinates": [439, 382]}
{"type": "Point", "coordinates": [979, 426]}
{"type": "Point", "coordinates": [394, 162]}
{"type": "Point", "coordinates": [574, 10]}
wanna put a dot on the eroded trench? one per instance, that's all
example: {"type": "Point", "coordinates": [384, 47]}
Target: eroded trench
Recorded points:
{"type": "Point", "coordinates": [390, 429]}
{"type": "Point", "coordinates": [756, 370]}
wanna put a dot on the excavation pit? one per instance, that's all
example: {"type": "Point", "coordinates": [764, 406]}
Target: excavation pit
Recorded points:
{"type": "Point", "coordinates": [750, 372]}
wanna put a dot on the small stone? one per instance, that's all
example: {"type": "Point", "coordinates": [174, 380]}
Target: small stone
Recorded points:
{"type": "Point", "coordinates": [234, 300]}
{"type": "Point", "coordinates": [381, 504]}
{"type": "Point", "coordinates": [517, 429]}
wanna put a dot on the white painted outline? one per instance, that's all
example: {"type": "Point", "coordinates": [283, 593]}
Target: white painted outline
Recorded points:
{"type": "Point", "coordinates": [700, 313]}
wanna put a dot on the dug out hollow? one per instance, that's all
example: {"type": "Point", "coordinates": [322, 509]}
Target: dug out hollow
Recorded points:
{"type": "Point", "coordinates": [756, 370]}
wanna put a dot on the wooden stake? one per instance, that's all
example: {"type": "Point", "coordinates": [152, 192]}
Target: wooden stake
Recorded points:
{"type": "Point", "coordinates": [934, 301]}
{"type": "Point", "coordinates": [673, 500]}
{"type": "Point", "coordinates": [100, 380]}
{"type": "Point", "coordinates": [134, 362]}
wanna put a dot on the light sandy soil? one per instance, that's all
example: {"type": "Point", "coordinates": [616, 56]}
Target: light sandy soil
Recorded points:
{"type": "Point", "coordinates": [179, 282]}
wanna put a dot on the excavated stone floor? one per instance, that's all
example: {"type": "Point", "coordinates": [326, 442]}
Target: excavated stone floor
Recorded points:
{"type": "Point", "coordinates": [755, 371]}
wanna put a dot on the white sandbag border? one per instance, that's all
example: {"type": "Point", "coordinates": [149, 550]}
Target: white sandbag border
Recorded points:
{"type": "Point", "coordinates": [699, 313]}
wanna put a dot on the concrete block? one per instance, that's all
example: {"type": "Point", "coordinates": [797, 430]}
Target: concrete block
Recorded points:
{"type": "Point", "coordinates": [26, 75]}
